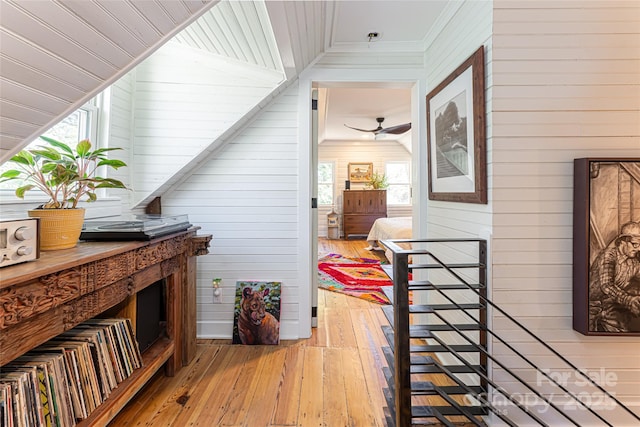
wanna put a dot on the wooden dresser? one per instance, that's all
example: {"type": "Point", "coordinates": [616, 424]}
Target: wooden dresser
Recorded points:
{"type": "Point", "coordinates": [43, 298]}
{"type": "Point", "coordinates": [360, 208]}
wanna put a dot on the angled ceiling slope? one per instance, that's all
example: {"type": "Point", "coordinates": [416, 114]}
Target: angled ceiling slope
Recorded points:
{"type": "Point", "coordinates": [56, 55]}
{"type": "Point", "coordinates": [238, 31]}
{"type": "Point", "coordinates": [298, 31]}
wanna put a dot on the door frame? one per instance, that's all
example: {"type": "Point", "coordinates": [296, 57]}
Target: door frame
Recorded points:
{"type": "Point", "coordinates": [413, 79]}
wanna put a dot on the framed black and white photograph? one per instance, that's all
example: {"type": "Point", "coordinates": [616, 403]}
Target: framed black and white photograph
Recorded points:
{"type": "Point", "coordinates": [606, 246]}
{"type": "Point", "coordinates": [456, 135]}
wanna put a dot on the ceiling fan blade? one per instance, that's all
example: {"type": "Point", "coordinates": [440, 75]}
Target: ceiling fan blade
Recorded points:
{"type": "Point", "coordinates": [365, 130]}
{"type": "Point", "coordinates": [396, 130]}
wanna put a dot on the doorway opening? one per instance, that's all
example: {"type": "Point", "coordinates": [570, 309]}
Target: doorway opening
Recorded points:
{"type": "Point", "coordinates": [346, 117]}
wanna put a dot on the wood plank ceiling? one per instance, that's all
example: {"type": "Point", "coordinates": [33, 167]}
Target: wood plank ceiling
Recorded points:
{"type": "Point", "coordinates": [235, 30]}
{"type": "Point", "coordinates": [56, 55]}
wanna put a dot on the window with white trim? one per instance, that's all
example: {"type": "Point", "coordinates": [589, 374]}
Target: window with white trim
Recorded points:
{"type": "Point", "coordinates": [79, 125]}
{"type": "Point", "coordinates": [399, 180]}
{"type": "Point", "coordinates": [326, 183]}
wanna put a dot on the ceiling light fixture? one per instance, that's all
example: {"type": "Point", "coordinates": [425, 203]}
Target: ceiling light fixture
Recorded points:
{"type": "Point", "coordinates": [373, 36]}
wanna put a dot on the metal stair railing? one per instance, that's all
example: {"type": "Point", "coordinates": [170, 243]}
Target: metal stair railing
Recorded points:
{"type": "Point", "coordinates": [402, 411]}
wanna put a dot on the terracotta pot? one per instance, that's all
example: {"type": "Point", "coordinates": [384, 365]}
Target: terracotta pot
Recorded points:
{"type": "Point", "coordinates": [59, 228]}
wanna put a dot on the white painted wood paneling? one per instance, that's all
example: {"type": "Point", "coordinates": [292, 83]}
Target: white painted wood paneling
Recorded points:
{"type": "Point", "coordinates": [56, 55]}
{"type": "Point", "coordinates": [104, 206]}
{"type": "Point", "coordinates": [238, 30]}
{"type": "Point", "coordinates": [119, 133]}
{"type": "Point", "coordinates": [469, 27]}
{"type": "Point", "coordinates": [370, 60]}
{"type": "Point", "coordinates": [566, 84]}
{"type": "Point", "coordinates": [344, 152]}
{"type": "Point", "coordinates": [299, 31]}
{"type": "Point", "coordinates": [187, 98]}
{"type": "Point", "coordinates": [247, 198]}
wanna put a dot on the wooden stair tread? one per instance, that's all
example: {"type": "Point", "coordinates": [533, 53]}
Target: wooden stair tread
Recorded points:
{"type": "Point", "coordinates": [427, 286]}
{"type": "Point", "coordinates": [437, 307]}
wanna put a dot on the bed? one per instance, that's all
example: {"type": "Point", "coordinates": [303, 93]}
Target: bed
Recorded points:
{"type": "Point", "coordinates": [386, 229]}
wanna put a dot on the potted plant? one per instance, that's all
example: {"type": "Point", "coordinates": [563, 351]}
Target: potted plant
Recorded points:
{"type": "Point", "coordinates": [378, 181]}
{"type": "Point", "coordinates": [66, 176]}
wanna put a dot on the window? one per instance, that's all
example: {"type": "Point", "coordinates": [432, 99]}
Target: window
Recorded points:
{"type": "Point", "coordinates": [399, 180]}
{"type": "Point", "coordinates": [325, 183]}
{"type": "Point", "coordinates": [79, 125]}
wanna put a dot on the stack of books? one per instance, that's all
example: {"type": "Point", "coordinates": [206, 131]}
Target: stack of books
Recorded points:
{"type": "Point", "coordinates": [62, 381]}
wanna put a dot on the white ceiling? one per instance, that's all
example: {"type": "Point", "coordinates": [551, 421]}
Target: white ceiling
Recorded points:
{"type": "Point", "coordinates": [55, 55]}
{"type": "Point", "coordinates": [402, 26]}
{"type": "Point", "coordinates": [358, 105]}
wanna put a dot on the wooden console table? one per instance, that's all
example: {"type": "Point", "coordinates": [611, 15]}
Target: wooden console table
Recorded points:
{"type": "Point", "coordinates": [43, 298]}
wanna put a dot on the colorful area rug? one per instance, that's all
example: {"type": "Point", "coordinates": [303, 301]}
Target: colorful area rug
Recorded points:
{"type": "Point", "coordinates": [357, 277]}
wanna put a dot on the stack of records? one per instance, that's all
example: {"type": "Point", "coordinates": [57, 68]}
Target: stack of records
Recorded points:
{"type": "Point", "coordinates": [62, 381]}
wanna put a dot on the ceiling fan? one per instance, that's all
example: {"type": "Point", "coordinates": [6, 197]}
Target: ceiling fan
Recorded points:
{"type": "Point", "coordinates": [395, 130]}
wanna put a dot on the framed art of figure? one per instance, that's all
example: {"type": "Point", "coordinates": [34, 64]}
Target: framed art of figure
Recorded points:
{"type": "Point", "coordinates": [360, 172]}
{"type": "Point", "coordinates": [606, 246]}
{"type": "Point", "coordinates": [456, 135]}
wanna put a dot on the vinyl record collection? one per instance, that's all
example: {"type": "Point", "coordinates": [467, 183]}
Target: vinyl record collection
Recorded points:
{"type": "Point", "coordinates": [62, 381]}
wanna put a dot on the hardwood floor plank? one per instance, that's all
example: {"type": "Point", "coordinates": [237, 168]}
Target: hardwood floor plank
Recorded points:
{"type": "Point", "coordinates": [146, 403]}
{"type": "Point", "coordinates": [288, 401]}
{"type": "Point", "coordinates": [311, 395]}
{"type": "Point", "coordinates": [370, 342]}
{"type": "Point", "coordinates": [340, 329]}
{"type": "Point", "coordinates": [335, 412]}
{"type": "Point", "coordinates": [213, 401]}
{"type": "Point", "coordinates": [206, 404]}
{"type": "Point", "coordinates": [156, 394]}
{"type": "Point", "coordinates": [181, 401]}
{"type": "Point", "coordinates": [321, 333]}
{"type": "Point", "coordinates": [240, 395]}
{"type": "Point", "coordinates": [359, 400]}
{"type": "Point", "coordinates": [266, 385]}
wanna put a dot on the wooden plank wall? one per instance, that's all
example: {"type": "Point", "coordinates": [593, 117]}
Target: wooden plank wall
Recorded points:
{"type": "Point", "coordinates": [246, 196]}
{"type": "Point", "coordinates": [184, 100]}
{"type": "Point", "coordinates": [566, 84]}
{"type": "Point", "coordinates": [465, 27]}
{"type": "Point", "coordinates": [117, 133]}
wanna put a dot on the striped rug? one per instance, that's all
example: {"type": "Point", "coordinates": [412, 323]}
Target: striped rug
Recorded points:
{"type": "Point", "coordinates": [357, 277]}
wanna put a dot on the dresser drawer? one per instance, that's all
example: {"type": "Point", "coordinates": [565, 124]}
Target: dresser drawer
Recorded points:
{"type": "Point", "coordinates": [358, 224]}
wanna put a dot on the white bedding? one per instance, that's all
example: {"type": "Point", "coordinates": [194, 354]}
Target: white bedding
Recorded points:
{"type": "Point", "coordinates": [389, 228]}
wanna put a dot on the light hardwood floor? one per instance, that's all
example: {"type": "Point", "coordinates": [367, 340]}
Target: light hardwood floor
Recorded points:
{"type": "Point", "coordinates": [332, 379]}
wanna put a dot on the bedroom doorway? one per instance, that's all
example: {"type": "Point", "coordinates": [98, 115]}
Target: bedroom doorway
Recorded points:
{"type": "Point", "coordinates": [341, 106]}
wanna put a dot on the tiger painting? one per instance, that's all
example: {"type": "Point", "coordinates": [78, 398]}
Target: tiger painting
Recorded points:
{"type": "Point", "coordinates": [255, 324]}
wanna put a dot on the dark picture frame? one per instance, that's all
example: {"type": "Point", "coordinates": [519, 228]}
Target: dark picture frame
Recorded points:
{"type": "Point", "coordinates": [606, 246]}
{"type": "Point", "coordinates": [457, 158]}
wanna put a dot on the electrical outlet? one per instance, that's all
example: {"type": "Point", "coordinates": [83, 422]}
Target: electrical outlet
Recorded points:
{"type": "Point", "coordinates": [217, 290]}
{"type": "Point", "coordinates": [217, 295]}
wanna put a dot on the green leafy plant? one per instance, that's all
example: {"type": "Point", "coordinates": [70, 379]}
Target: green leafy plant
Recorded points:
{"type": "Point", "coordinates": [378, 181]}
{"type": "Point", "coordinates": [64, 174]}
